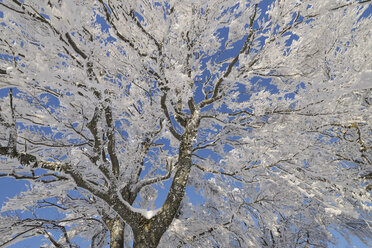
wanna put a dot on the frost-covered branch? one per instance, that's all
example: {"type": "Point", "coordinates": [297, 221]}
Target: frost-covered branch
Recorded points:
{"type": "Point", "coordinates": [41, 178]}
{"type": "Point", "coordinates": [263, 110]}
{"type": "Point", "coordinates": [166, 113]}
{"type": "Point", "coordinates": [111, 141]}
{"type": "Point", "coordinates": [148, 181]}
{"type": "Point", "coordinates": [245, 49]}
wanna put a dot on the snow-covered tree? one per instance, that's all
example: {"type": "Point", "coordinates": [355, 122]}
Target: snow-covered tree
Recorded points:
{"type": "Point", "coordinates": [113, 109]}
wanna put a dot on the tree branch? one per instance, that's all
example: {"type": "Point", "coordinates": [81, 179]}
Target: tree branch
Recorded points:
{"type": "Point", "coordinates": [37, 178]}
{"type": "Point", "coordinates": [166, 112]}
{"type": "Point", "coordinates": [111, 197]}
{"type": "Point", "coordinates": [12, 143]}
{"type": "Point", "coordinates": [137, 187]}
{"type": "Point", "coordinates": [215, 96]}
{"type": "Point", "coordinates": [111, 142]}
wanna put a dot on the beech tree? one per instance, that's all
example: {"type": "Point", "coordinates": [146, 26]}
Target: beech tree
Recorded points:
{"type": "Point", "coordinates": [113, 109]}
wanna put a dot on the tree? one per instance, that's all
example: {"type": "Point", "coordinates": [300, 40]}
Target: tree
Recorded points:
{"type": "Point", "coordinates": [263, 108]}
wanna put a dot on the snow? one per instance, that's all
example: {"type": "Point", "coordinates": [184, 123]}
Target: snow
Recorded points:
{"type": "Point", "coordinates": [148, 214]}
{"type": "Point", "coordinates": [276, 157]}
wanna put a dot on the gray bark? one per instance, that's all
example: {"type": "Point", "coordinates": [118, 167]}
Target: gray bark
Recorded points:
{"type": "Point", "coordinates": [117, 234]}
{"type": "Point", "coordinates": [148, 233]}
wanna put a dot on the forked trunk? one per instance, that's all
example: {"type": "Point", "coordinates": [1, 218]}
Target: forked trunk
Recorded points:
{"type": "Point", "coordinates": [147, 239]}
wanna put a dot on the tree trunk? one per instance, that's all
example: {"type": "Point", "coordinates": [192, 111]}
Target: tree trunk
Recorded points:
{"type": "Point", "coordinates": [117, 225]}
{"type": "Point", "coordinates": [117, 233]}
{"type": "Point", "coordinates": [146, 239]}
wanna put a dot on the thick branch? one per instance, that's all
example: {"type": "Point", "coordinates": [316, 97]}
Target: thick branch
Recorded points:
{"type": "Point", "coordinates": [111, 142]}
{"type": "Point", "coordinates": [12, 144]}
{"type": "Point", "coordinates": [37, 178]}
{"type": "Point", "coordinates": [166, 112]}
{"type": "Point", "coordinates": [93, 127]}
{"type": "Point", "coordinates": [74, 46]}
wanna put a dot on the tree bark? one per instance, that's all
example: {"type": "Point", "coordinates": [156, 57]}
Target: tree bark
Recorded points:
{"type": "Point", "coordinates": [149, 233]}
{"type": "Point", "coordinates": [117, 233]}
{"type": "Point", "coordinates": [146, 240]}
{"type": "Point", "coordinates": [117, 225]}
